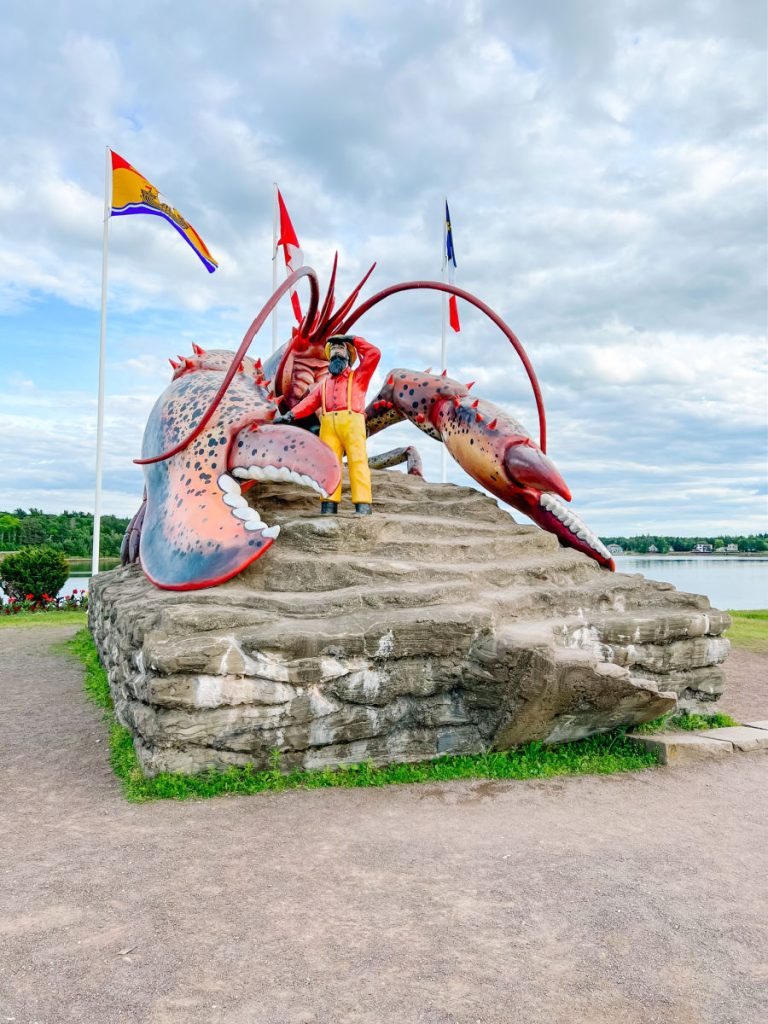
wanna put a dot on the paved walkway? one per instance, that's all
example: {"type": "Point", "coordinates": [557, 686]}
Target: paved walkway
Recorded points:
{"type": "Point", "coordinates": [619, 900]}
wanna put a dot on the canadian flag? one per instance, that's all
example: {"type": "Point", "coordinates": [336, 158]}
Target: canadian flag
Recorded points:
{"type": "Point", "coordinates": [294, 257]}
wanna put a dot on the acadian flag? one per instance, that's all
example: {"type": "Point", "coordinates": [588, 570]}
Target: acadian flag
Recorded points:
{"type": "Point", "coordinates": [294, 257]}
{"type": "Point", "coordinates": [132, 193]}
{"type": "Point", "coordinates": [449, 260]}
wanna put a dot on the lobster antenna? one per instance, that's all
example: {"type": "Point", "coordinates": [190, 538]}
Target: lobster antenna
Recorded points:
{"type": "Point", "coordinates": [473, 300]}
{"type": "Point", "coordinates": [245, 344]}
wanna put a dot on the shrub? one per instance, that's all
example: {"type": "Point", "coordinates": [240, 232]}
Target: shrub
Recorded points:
{"type": "Point", "coordinates": [34, 573]}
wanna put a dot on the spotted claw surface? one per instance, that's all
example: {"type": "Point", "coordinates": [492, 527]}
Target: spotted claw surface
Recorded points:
{"type": "Point", "coordinates": [198, 527]}
{"type": "Point", "coordinates": [491, 446]}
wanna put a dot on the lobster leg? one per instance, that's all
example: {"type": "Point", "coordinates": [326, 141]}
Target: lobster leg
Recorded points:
{"type": "Point", "coordinates": [129, 548]}
{"type": "Point", "coordinates": [410, 456]}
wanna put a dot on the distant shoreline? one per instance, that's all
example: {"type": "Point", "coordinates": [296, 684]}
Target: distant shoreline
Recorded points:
{"type": "Point", "coordinates": [693, 554]}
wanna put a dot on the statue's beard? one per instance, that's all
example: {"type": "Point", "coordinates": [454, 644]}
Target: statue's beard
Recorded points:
{"type": "Point", "coordinates": [337, 365]}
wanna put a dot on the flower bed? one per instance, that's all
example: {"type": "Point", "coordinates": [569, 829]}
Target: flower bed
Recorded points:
{"type": "Point", "coordinates": [76, 601]}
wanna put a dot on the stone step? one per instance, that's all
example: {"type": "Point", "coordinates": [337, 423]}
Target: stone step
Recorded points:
{"type": "Point", "coordinates": [297, 573]}
{"type": "Point", "coordinates": [677, 748]}
{"type": "Point", "coordinates": [475, 546]}
{"type": "Point", "coordinates": [415, 585]}
{"type": "Point", "coordinates": [393, 493]}
{"type": "Point", "coordinates": [475, 511]}
{"type": "Point", "coordinates": [346, 526]}
{"type": "Point", "coordinates": [602, 593]}
{"type": "Point", "coordinates": [341, 602]}
{"type": "Point", "coordinates": [742, 737]}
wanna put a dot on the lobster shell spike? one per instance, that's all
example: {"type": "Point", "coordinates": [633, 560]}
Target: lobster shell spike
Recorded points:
{"type": "Point", "coordinates": [197, 350]}
{"type": "Point", "coordinates": [324, 315]}
{"type": "Point", "coordinates": [476, 403]}
{"type": "Point", "coordinates": [492, 424]}
{"type": "Point", "coordinates": [470, 385]}
{"type": "Point", "coordinates": [337, 319]}
{"type": "Point", "coordinates": [174, 364]}
{"type": "Point", "coordinates": [444, 373]}
{"type": "Point", "coordinates": [428, 370]}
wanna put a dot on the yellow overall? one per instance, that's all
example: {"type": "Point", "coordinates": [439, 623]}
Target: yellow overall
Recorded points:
{"type": "Point", "coordinates": [344, 432]}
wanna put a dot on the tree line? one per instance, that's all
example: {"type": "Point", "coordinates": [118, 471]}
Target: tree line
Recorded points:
{"type": "Point", "coordinates": [744, 542]}
{"type": "Point", "coordinates": [72, 533]}
{"type": "Point", "coordinates": [69, 532]}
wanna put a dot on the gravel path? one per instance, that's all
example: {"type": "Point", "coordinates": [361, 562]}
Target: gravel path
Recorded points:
{"type": "Point", "coordinates": [629, 899]}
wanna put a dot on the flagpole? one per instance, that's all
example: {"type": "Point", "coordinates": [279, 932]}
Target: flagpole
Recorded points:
{"type": "Point", "coordinates": [274, 268]}
{"type": "Point", "coordinates": [102, 361]}
{"type": "Point", "coordinates": [444, 334]}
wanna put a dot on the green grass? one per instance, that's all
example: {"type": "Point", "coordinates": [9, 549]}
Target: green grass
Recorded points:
{"type": "Point", "coordinates": [32, 620]}
{"type": "Point", "coordinates": [749, 630]}
{"type": "Point", "coordinates": [599, 755]}
{"type": "Point", "coordinates": [95, 682]}
{"type": "Point", "coordinates": [686, 723]}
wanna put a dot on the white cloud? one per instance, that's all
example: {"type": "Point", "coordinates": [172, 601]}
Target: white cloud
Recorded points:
{"type": "Point", "coordinates": [605, 168]}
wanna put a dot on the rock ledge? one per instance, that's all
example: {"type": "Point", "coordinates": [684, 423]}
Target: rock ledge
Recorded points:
{"type": "Point", "coordinates": [436, 626]}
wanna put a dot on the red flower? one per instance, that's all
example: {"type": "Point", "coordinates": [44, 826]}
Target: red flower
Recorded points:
{"type": "Point", "coordinates": [30, 597]}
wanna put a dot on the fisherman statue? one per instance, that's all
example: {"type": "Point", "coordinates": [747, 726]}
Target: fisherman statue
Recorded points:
{"type": "Point", "coordinates": [339, 402]}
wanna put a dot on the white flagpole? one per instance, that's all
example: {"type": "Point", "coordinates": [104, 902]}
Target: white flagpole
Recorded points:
{"type": "Point", "coordinates": [102, 360]}
{"type": "Point", "coordinates": [275, 227]}
{"type": "Point", "coordinates": [444, 336]}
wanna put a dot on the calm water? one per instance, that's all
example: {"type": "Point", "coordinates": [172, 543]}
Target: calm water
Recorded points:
{"type": "Point", "coordinates": [728, 581]}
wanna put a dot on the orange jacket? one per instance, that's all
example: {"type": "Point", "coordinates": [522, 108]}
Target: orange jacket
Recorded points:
{"type": "Point", "coordinates": [336, 388]}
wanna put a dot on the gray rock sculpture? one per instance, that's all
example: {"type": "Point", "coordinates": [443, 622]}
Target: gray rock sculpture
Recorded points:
{"type": "Point", "coordinates": [436, 626]}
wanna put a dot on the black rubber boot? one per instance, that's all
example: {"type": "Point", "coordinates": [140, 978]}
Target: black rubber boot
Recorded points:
{"type": "Point", "coordinates": [362, 508]}
{"type": "Point", "coordinates": [329, 508]}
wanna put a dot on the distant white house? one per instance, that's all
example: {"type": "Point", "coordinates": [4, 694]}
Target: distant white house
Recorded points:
{"type": "Point", "coordinates": [652, 549]}
{"type": "Point", "coordinates": [731, 547]}
{"type": "Point", "coordinates": [616, 549]}
{"type": "Point", "coordinates": [703, 549]}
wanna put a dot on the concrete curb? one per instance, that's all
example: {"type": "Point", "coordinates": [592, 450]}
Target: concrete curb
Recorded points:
{"type": "Point", "coordinates": [685, 747]}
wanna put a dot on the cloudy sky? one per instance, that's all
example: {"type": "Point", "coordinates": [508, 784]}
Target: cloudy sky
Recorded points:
{"type": "Point", "coordinates": [605, 167]}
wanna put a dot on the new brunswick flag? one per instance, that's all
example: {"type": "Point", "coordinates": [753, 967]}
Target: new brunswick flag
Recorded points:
{"type": "Point", "coordinates": [132, 193]}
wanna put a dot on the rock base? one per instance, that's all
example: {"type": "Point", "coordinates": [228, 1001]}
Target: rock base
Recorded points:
{"type": "Point", "coordinates": [436, 626]}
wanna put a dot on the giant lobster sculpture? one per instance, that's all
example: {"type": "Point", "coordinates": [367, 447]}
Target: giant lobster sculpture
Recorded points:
{"type": "Point", "coordinates": [210, 436]}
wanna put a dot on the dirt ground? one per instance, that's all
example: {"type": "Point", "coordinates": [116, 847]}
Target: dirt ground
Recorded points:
{"type": "Point", "coordinates": [631, 899]}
